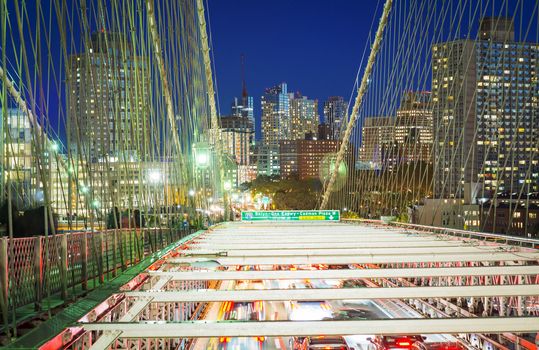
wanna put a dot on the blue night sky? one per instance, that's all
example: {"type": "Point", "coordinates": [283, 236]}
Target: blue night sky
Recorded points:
{"type": "Point", "coordinates": [315, 46]}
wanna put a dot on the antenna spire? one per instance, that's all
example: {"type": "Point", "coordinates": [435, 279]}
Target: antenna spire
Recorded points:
{"type": "Point", "coordinates": [244, 90]}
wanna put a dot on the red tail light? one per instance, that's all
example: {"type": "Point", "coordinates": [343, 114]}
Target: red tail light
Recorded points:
{"type": "Point", "coordinates": [403, 343]}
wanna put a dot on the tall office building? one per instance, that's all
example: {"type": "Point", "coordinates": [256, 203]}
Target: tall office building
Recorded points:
{"type": "Point", "coordinates": [334, 114]}
{"type": "Point", "coordinates": [26, 174]}
{"type": "Point", "coordinates": [413, 127]}
{"type": "Point", "coordinates": [378, 142]}
{"type": "Point", "coordinates": [303, 116]}
{"type": "Point", "coordinates": [236, 133]}
{"type": "Point", "coordinates": [485, 112]}
{"type": "Point", "coordinates": [243, 108]}
{"type": "Point", "coordinates": [108, 98]}
{"type": "Point", "coordinates": [268, 161]}
{"type": "Point", "coordinates": [275, 115]}
{"type": "Point", "coordinates": [19, 158]}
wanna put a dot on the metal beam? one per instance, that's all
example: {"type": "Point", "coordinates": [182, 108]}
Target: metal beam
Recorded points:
{"type": "Point", "coordinates": [337, 293]}
{"type": "Point", "coordinates": [366, 259]}
{"type": "Point", "coordinates": [311, 231]}
{"type": "Point", "coordinates": [349, 251]}
{"type": "Point", "coordinates": [291, 238]}
{"type": "Point", "coordinates": [350, 274]}
{"type": "Point", "coordinates": [110, 336]}
{"type": "Point", "coordinates": [209, 329]}
{"type": "Point", "coordinates": [224, 245]}
{"type": "Point", "coordinates": [336, 230]}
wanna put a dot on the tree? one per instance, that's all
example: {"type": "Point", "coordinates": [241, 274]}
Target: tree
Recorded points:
{"type": "Point", "coordinates": [288, 194]}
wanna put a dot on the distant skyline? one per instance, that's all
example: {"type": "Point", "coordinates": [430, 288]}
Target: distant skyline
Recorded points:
{"type": "Point", "coordinates": [315, 47]}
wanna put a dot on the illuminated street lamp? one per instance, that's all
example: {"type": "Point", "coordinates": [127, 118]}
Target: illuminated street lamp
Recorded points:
{"type": "Point", "coordinates": [192, 193]}
{"type": "Point", "coordinates": [54, 146]}
{"type": "Point", "coordinates": [84, 189]}
{"type": "Point", "coordinates": [155, 176]}
{"type": "Point", "coordinates": [227, 185]}
{"type": "Point", "coordinates": [201, 152]}
{"type": "Point", "coordinates": [202, 160]}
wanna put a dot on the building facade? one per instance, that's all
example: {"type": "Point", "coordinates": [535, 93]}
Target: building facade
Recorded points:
{"type": "Point", "coordinates": [18, 157]}
{"type": "Point", "coordinates": [276, 122]}
{"type": "Point", "coordinates": [108, 98]}
{"type": "Point", "coordinates": [452, 213]}
{"type": "Point", "coordinates": [303, 116]}
{"type": "Point", "coordinates": [302, 158]}
{"type": "Point", "coordinates": [413, 127]}
{"type": "Point", "coordinates": [244, 108]}
{"type": "Point", "coordinates": [511, 218]}
{"type": "Point", "coordinates": [30, 174]}
{"type": "Point", "coordinates": [288, 157]}
{"type": "Point", "coordinates": [485, 113]}
{"type": "Point", "coordinates": [267, 160]}
{"type": "Point", "coordinates": [237, 133]}
{"type": "Point", "coordinates": [378, 142]}
{"type": "Point", "coordinates": [334, 115]}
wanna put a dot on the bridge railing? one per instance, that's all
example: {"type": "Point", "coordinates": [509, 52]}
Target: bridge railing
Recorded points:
{"type": "Point", "coordinates": [483, 236]}
{"type": "Point", "coordinates": [35, 268]}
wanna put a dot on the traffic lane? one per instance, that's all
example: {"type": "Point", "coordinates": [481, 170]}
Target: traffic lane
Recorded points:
{"type": "Point", "coordinates": [252, 312]}
{"type": "Point", "coordinates": [324, 310]}
{"type": "Point", "coordinates": [389, 309]}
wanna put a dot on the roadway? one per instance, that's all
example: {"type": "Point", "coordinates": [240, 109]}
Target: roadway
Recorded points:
{"type": "Point", "coordinates": [301, 311]}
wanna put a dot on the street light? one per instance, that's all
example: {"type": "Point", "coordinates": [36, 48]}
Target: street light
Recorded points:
{"type": "Point", "coordinates": [227, 185]}
{"type": "Point", "coordinates": [84, 189]}
{"type": "Point", "coordinates": [155, 176]}
{"type": "Point", "coordinates": [192, 193]}
{"type": "Point", "coordinates": [202, 160]}
{"type": "Point", "coordinates": [201, 152]}
{"type": "Point", "coordinates": [54, 146]}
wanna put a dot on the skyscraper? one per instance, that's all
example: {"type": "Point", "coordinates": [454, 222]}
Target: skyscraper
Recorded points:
{"type": "Point", "coordinates": [485, 111]}
{"type": "Point", "coordinates": [18, 157]}
{"type": "Point", "coordinates": [378, 141]}
{"type": "Point", "coordinates": [236, 132]}
{"type": "Point", "coordinates": [303, 116]}
{"type": "Point", "coordinates": [108, 98]}
{"type": "Point", "coordinates": [413, 127]}
{"type": "Point", "coordinates": [244, 115]}
{"type": "Point", "coordinates": [334, 114]}
{"type": "Point", "coordinates": [275, 115]}
{"type": "Point", "coordinates": [243, 108]}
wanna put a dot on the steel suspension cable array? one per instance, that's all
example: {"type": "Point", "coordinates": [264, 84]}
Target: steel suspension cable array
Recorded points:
{"type": "Point", "coordinates": [354, 114]}
{"type": "Point", "coordinates": [102, 106]}
{"type": "Point", "coordinates": [470, 146]}
{"type": "Point", "coordinates": [155, 101]}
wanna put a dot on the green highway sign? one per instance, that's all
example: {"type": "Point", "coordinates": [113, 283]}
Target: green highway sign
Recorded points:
{"type": "Point", "coordinates": [291, 215]}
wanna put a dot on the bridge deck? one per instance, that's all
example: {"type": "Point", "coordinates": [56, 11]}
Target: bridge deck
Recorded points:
{"type": "Point", "coordinates": [280, 256]}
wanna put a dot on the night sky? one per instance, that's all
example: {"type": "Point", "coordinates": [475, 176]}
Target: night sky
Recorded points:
{"type": "Point", "coordinates": [315, 46]}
